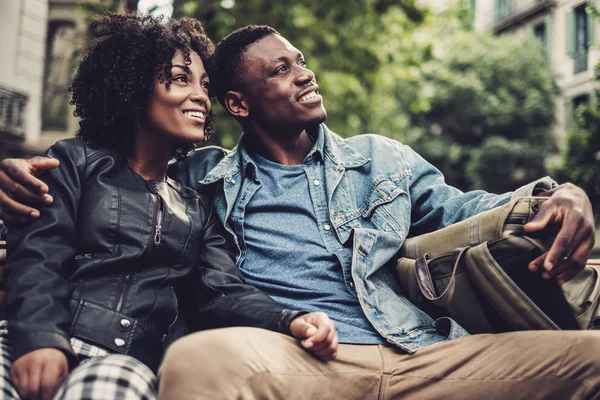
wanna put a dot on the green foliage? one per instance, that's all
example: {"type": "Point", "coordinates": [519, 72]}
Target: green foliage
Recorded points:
{"type": "Point", "coordinates": [581, 160]}
{"type": "Point", "coordinates": [503, 164]}
{"type": "Point", "coordinates": [490, 100]}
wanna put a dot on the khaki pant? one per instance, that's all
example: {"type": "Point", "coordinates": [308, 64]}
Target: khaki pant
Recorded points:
{"type": "Point", "coordinates": [250, 363]}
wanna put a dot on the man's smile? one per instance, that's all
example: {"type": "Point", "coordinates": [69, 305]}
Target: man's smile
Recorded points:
{"type": "Point", "coordinates": [311, 95]}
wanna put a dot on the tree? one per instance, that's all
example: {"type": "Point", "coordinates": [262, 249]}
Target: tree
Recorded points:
{"type": "Point", "coordinates": [487, 110]}
{"type": "Point", "coordinates": [581, 159]}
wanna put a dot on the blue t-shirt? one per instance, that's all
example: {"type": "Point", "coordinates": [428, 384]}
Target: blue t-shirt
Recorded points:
{"type": "Point", "coordinates": [295, 268]}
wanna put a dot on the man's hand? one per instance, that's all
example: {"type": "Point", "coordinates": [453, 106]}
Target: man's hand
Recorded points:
{"type": "Point", "coordinates": [569, 206]}
{"type": "Point", "coordinates": [317, 334]}
{"type": "Point", "coordinates": [38, 375]}
{"type": "Point", "coordinates": [18, 183]}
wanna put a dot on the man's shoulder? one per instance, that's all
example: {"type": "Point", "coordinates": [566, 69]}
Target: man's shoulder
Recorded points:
{"type": "Point", "coordinates": [371, 144]}
{"type": "Point", "coordinates": [197, 165]}
{"type": "Point", "coordinates": [207, 154]}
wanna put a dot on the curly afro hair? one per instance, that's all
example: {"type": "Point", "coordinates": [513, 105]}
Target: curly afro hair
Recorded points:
{"type": "Point", "coordinates": [227, 64]}
{"type": "Point", "coordinates": [118, 72]}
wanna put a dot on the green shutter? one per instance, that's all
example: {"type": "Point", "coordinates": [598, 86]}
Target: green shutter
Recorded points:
{"type": "Point", "coordinates": [570, 37]}
{"type": "Point", "coordinates": [590, 28]}
{"type": "Point", "coordinates": [548, 44]}
{"type": "Point", "coordinates": [569, 114]}
{"type": "Point", "coordinates": [496, 10]}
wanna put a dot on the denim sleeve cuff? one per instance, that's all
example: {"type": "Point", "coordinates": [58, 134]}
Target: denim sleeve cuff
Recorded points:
{"type": "Point", "coordinates": [535, 188]}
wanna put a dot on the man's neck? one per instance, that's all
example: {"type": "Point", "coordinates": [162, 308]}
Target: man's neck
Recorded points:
{"type": "Point", "coordinates": [281, 148]}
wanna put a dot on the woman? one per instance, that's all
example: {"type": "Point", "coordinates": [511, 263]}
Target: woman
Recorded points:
{"type": "Point", "coordinates": [125, 260]}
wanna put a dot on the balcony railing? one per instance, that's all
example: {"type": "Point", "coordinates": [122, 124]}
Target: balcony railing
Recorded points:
{"type": "Point", "coordinates": [514, 11]}
{"type": "Point", "coordinates": [580, 62]}
{"type": "Point", "coordinates": [12, 112]}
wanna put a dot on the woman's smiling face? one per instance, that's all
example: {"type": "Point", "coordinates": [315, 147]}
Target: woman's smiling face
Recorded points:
{"type": "Point", "coordinates": [180, 109]}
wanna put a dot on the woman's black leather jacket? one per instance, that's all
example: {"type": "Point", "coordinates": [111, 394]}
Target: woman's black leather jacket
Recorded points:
{"type": "Point", "coordinates": [123, 263]}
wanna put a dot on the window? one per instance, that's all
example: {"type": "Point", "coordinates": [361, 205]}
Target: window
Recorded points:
{"type": "Point", "coordinates": [502, 9]}
{"type": "Point", "coordinates": [59, 64]}
{"type": "Point", "coordinates": [540, 31]}
{"type": "Point", "coordinates": [577, 101]}
{"type": "Point", "coordinates": [580, 100]}
{"type": "Point", "coordinates": [580, 35]}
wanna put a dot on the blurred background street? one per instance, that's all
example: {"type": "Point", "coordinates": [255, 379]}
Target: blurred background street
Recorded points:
{"type": "Point", "coordinates": [495, 93]}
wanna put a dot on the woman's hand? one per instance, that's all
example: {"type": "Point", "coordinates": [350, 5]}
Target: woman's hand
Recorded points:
{"type": "Point", "coordinates": [317, 334]}
{"type": "Point", "coordinates": [38, 374]}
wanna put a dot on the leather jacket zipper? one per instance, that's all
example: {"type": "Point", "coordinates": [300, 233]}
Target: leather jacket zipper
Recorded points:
{"type": "Point", "coordinates": [157, 235]}
{"type": "Point", "coordinates": [164, 336]}
{"type": "Point", "coordinates": [123, 291]}
{"type": "Point", "coordinates": [159, 221]}
{"type": "Point", "coordinates": [83, 256]}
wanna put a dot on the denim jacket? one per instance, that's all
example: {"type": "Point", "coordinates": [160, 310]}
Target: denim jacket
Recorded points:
{"type": "Point", "coordinates": [378, 192]}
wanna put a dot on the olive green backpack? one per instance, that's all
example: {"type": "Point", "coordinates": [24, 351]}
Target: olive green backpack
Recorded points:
{"type": "Point", "coordinates": [476, 271]}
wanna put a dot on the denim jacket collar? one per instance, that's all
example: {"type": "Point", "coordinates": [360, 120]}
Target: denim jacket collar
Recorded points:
{"type": "Point", "coordinates": [326, 144]}
{"type": "Point", "coordinates": [339, 151]}
{"type": "Point", "coordinates": [230, 165]}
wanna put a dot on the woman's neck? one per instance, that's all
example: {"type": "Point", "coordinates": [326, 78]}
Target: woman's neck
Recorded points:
{"type": "Point", "coordinates": [150, 156]}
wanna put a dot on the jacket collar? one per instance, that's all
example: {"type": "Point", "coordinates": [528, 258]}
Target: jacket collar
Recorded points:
{"type": "Point", "coordinates": [228, 166]}
{"type": "Point", "coordinates": [339, 151]}
{"type": "Point", "coordinates": [327, 144]}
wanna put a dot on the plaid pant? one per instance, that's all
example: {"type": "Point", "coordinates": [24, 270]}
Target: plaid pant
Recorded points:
{"type": "Point", "coordinates": [100, 376]}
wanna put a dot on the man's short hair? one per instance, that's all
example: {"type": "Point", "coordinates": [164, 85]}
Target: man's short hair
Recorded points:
{"type": "Point", "coordinates": [228, 63]}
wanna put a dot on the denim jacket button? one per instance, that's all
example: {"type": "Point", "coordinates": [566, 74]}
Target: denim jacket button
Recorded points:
{"type": "Point", "coordinates": [327, 227]}
{"type": "Point", "coordinates": [316, 182]}
{"type": "Point", "coordinates": [119, 342]}
{"type": "Point", "coordinates": [352, 284]}
{"type": "Point", "coordinates": [125, 323]}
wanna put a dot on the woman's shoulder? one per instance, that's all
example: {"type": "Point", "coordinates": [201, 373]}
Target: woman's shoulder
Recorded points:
{"type": "Point", "coordinates": [77, 150]}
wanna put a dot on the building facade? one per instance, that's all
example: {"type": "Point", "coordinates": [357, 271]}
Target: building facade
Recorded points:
{"type": "Point", "coordinates": [41, 40]}
{"type": "Point", "coordinates": [569, 36]}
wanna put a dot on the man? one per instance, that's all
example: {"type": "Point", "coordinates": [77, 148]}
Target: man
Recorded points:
{"type": "Point", "coordinates": [333, 213]}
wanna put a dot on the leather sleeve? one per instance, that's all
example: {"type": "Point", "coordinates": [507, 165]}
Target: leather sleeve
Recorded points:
{"type": "Point", "coordinates": [229, 300]}
{"type": "Point", "coordinates": [3, 231]}
{"type": "Point", "coordinates": [38, 254]}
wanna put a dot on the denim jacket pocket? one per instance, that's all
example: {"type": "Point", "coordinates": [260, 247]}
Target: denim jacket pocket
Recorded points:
{"type": "Point", "coordinates": [387, 205]}
{"type": "Point", "coordinates": [344, 224]}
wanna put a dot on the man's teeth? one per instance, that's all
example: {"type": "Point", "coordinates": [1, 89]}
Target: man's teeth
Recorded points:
{"type": "Point", "coordinates": [194, 114]}
{"type": "Point", "coordinates": [308, 96]}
